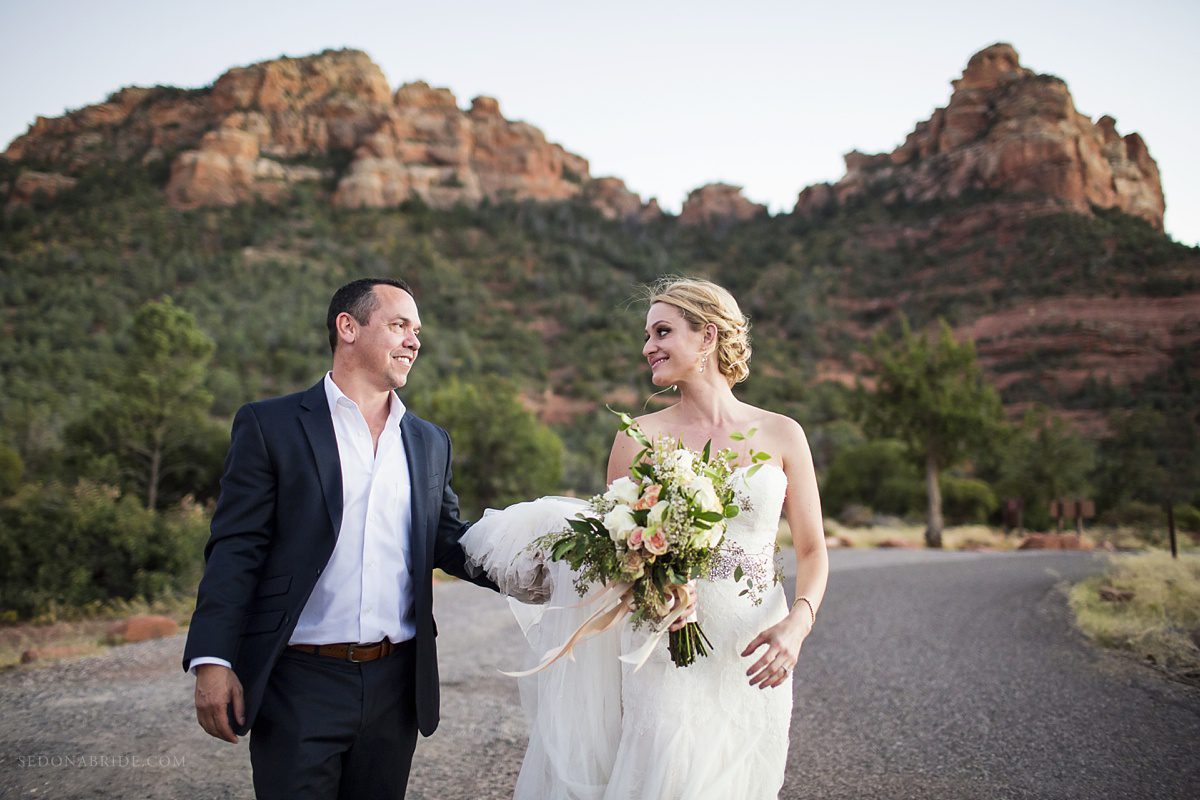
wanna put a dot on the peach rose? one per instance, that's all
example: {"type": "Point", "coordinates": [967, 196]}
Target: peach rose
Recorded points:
{"type": "Point", "coordinates": [655, 543]}
{"type": "Point", "coordinates": [649, 497]}
{"type": "Point", "coordinates": [632, 566]}
{"type": "Point", "coordinates": [635, 538]}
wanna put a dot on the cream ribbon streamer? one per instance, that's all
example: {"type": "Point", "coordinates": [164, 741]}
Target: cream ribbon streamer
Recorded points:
{"type": "Point", "coordinates": [616, 603]}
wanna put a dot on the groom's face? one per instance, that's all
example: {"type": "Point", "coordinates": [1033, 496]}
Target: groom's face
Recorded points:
{"type": "Point", "coordinates": [387, 345]}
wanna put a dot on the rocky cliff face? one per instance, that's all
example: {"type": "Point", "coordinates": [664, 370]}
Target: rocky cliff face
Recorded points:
{"type": "Point", "coordinates": [1009, 129]}
{"type": "Point", "coordinates": [715, 203]}
{"type": "Point", "coordinates": [259, 129]}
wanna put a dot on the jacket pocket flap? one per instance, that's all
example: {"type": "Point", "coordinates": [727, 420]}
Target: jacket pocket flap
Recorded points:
{"type": "Point", "coordinates": [263, 622]}
{"type": "Point", "coordinates": [273, 586]}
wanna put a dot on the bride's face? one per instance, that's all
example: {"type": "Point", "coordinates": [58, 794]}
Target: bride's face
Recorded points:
{"type": "Point", "coordinates": [672, 348]}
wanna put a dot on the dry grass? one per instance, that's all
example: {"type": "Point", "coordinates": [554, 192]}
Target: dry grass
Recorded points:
{"type": "Point", "coordinates": [1160, 624]}
{"type": "Point", "coordinates": [959, 537]}
{"type": "Point", "coordinates": [979, 537]}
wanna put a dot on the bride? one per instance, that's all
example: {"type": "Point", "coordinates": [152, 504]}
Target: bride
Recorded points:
{"type": "Point", "coordinates": [718, 729]}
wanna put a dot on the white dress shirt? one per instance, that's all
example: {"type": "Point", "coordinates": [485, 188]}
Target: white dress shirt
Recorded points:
{"type": "Point", "coordinates": [364, 593]}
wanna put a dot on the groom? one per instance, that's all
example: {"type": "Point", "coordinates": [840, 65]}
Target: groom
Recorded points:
{"type": "Point", "coordinates": [314, 619]}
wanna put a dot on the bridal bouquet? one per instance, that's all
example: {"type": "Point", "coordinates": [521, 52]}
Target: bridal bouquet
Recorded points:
{"type": "Point", "coordinates": [648, 536]}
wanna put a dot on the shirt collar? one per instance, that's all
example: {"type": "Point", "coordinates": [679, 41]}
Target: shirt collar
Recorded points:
{"type": "Point", "coordinates": [337, 397]}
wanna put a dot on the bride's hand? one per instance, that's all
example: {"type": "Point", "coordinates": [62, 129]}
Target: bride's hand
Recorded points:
{"type": "Point", "coordinates": [783, 642]}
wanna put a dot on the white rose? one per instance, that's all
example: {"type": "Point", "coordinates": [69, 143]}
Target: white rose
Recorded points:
{"type": "Point", "coordinates": [622, 491]}
{"type": "Point", "coordinates": [619, 523]}
{"type": "Point", "coordinates": [681, 463]}
{"type": "Point", "coordinates": [657, 511]}
{"type": "Point", "coordinates": [705, 493]}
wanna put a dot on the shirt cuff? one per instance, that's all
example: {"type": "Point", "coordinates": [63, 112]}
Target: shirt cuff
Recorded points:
{"type": "Point", "coordinates": [207, 660]}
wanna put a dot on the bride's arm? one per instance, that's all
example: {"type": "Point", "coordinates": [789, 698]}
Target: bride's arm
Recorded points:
{"type": "Point", "coordinates": [620, 458]}
{"type": "Point", "coordinates": [802, 507]}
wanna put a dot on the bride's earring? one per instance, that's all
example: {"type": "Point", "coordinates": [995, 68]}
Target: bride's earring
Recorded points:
{"type": "Point", "coordinates": [703, 362]}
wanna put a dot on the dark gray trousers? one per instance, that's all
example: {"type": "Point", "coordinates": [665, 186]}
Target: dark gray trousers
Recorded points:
{"type": "Point", "coordinates": [335, 729]}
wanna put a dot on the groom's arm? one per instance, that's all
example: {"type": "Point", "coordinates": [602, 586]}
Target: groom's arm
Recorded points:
{"type": "Point", "coordinates": [448, 554]}
{"type": "Point", "coordinates": [241, 534]}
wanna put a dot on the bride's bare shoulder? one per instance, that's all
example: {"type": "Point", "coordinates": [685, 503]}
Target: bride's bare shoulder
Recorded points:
{"type": "Point", "coordinates": [781, 424]}
{"type": "Point", "coordinates": [785, 439]}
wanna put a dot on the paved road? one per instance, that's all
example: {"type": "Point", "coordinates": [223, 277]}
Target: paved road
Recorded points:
{"type": "Point", "coordinates": [931, 675]}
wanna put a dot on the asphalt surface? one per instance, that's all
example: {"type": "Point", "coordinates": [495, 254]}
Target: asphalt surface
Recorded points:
{"type": "Point", "coordinates": [930, 675]}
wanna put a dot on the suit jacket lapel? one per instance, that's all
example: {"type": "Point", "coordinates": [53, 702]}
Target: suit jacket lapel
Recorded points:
{"type": "Point", "coordinates": [418, 478]}
{"type": "Point", "coordinates": [318, 427]}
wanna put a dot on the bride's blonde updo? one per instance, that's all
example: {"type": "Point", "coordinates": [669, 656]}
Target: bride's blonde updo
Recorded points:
{"type": "Point", "coordinates": [703, 302]}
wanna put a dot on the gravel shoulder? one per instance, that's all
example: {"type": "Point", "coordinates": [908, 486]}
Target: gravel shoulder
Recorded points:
{"type": "Point", "coordinates": [930, 675]}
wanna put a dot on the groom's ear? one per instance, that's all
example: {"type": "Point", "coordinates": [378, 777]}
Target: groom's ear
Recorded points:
{"type": "Point", "coordinates": [347, 327]}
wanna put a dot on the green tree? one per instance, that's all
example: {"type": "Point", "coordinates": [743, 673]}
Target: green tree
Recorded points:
{"type": "Point", "coordinates": [154, 426]}
{"type": "Point", "coordinates": [1039, 459]}
{"type": "Point", "coordinates": [931, 395]}
{"type": "Point", "coordinates": [502, 454]}
{"type": "Point", "coordinates": [1152, 457]}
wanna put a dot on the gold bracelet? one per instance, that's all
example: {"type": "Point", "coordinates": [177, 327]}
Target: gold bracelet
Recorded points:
{"type": "Point", "coordinates": [811, 611]}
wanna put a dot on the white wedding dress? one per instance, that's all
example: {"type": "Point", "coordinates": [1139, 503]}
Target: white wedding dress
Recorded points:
{"type": "Point", "coordinates": [599, 730]}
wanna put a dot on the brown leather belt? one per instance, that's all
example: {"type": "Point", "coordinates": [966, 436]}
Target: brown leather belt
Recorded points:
{"type": "Point", "coordinates": [349, 651]}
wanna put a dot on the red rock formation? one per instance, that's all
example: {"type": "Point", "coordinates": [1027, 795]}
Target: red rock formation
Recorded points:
{"type": "Point", "coordinates": [242, 139]}
{"type": "Point", "coordinates": [1054, 541]}
{"type": "Point", "coordinates": [31, 185]}
{"type": "Point", "coordinates": [142, 627]}
{"type": "Point", "coordinates": [615, 201]}
{"type": "Point", "coordinates": [717, 202]}
{"type": "Point", "coordinates": [135, 122]}
{"type": "Point", "coordinates": [1007, 129]}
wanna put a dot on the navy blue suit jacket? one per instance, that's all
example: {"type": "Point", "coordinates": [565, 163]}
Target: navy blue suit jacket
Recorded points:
{"type": "Point", "coordinates": [274, 529]}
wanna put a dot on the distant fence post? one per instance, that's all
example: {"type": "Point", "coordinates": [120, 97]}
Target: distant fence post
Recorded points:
{"type": "Point", "coordinates": [1171, 529]}
{"type": "Point", "coordinates": [1056, 513]}
{"type": "Point", "coordinates": [1014, 508]}
{"type": "Point", "coordinates": [1083, 509]}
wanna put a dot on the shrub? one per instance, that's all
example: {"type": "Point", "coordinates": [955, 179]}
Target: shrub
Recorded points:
{"type": "Point", "coordinates": [1187, 518]}
{"type": "Point", "coordinates": [12, 469]}
{"type": "Point", "coordinates": [83, 545]}
{"type": "Point", "coordinates": [875, 474]}
{"type": "Point", "coordinates": [1144, 517]}
{"type": "Point", "coordinates": [967, 500]}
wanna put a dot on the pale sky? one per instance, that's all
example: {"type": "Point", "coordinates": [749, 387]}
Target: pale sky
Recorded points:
{"type": "Point", "coordinates": [666, 95]}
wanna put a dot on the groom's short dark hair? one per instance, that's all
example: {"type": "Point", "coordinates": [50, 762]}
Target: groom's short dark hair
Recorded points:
{"type": "Point", "coordinates": [357, 298]}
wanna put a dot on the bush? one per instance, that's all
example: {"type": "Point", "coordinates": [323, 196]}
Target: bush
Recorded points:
{"type": "Point", "coordinates": [1187, 518]}
{"type": "Point", "coordinates": [1143, 517]}
{"type": "Point", "coordinates": [877, 474]}
{"type": "Point", "coordinates": [967, 500]}
{"type": "Point", "coordinates": [84, 545]}
{"type": "Point", "coordinates": [12, 469]}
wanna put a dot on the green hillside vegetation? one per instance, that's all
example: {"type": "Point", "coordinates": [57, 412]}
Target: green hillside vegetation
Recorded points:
{"type": "Point", "coordinates": [536, 296]}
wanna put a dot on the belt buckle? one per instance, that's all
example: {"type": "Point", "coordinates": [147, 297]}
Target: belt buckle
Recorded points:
{"type": "Point", "coordinates": [350, 655]}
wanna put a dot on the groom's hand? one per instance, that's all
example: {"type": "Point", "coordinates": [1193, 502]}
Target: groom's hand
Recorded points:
{"type": "Point", "coordinates": [216, 687]}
